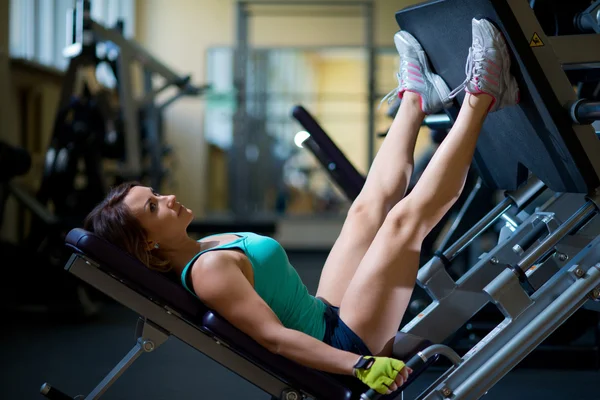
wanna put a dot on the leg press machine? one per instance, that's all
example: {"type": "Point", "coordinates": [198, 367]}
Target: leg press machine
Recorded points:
{"type": "Point", "coordinates": [543, 154]}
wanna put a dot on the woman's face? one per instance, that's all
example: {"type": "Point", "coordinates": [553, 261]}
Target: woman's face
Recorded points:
{"type": "Point", "coordinates": [162, 216]}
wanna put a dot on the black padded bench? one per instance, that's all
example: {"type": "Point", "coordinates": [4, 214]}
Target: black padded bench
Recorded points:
{"type": "Point", "coordinates": [167, 309]}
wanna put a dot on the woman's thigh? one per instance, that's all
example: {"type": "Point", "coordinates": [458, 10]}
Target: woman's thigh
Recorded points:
{"type": "Point", "coordinates": [378, 294]}
{"type": "Point", "coordinates": [359, 229]}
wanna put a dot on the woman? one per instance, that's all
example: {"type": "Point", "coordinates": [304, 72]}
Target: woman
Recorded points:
{"type": "Point", "coordinates": [367, 281]}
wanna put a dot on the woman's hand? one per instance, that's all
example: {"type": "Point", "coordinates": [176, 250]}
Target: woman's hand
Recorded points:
{"type": "Point", "coordinates": [382, 374]}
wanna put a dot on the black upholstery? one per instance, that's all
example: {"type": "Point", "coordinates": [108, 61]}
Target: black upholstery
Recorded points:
{"type": "Point", "coordinates": [171, 293]}
{"type": "Point", "coordinates": [299, 377]}
{"type": "Point", "coordinates": [538, 134]}
{"type": "Point", "coordinates": [149, 283]}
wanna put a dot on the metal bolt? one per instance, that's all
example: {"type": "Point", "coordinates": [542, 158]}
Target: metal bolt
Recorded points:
{"type": "Point", "coordinates": [148, 345]}
{"type": "Point", "coordinates": [562, 257]}
{"type": "Point", "coordinates": [579, 272]}
{"type": "Point", "coordinates": [447, 392]}
{"type": "Point", "coordinates": [518, 249]}
{"type": "Point", "coordinates": [596, 293]}
{"type": "Point", "coordinates": [291, 395]}
{"type": "Point", "coordinates": [494, 260]}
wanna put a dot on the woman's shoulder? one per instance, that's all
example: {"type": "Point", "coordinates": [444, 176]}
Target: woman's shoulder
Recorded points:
{"type": "Point", "coordinates": [215, 270]}
{"type": "Point", "coordinates": [214, 259]}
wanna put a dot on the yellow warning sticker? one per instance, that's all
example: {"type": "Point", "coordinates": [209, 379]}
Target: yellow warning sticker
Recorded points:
{"type": "Point", "coordinates": [536, 41]}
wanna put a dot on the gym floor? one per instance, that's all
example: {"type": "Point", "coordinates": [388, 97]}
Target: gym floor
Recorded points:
{"type": "Point", "coordinates": [74, 357]}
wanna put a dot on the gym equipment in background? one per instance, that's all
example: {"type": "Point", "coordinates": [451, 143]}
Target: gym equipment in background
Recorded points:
{"type": "Point", "coordinates": [94, 124]}
{"type": "Point", "coordinates": [18, 291]}
{"type": "Point", "coordinates": [97, 127]}
{"type": "Point", "coordinates": [14, 161]}
{"type": "Point", "coordinates": [133, 124]}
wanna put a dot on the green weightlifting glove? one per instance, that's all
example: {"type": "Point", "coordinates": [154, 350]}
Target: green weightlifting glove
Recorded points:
{"type": "Point", "coordinates": [378, 372]}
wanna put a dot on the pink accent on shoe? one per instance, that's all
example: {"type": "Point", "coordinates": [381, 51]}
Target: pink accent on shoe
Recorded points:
{"type": "Point", "coordinates": [414, 66]}
{"type": "Point", "coordinates": [412, 78]}
{"type": "Point", "coordinates": [490, 80]}
{"type": "Point", "coordinates": [493, 63]}
{"type": "Point", "coordinates": [497, 73]}
{"type": "Point", "coordinates": [415, 73]}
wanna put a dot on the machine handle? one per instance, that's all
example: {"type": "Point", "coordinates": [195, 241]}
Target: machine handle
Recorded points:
{"type": "Point", "coordinates": [53, 393]}
{"type": "Point", "coordinates": [414, 363]}
{"type": "Point", "coordinates": [585, 112]}
{"type": "Point", "coordinates": [370, 395]}
{"type": "Point", "coordinates": [418, 361]}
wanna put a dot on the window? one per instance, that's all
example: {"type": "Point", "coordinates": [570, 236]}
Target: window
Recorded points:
{"type": "Point", "coordinates": [38, 28]}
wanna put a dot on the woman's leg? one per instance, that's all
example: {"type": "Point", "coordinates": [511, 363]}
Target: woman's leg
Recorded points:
{"type": "Point", "coordinates": [390, 172]}
{"type": "Point", "coordinates": [382, 286]}
{"type": "Point", "coordinates": [386, 184]}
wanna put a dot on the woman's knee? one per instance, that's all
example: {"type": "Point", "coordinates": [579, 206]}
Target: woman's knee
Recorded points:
{"type": "Point", "coordinates": [406, 219]}
{"type": "Point", "coordinates": [367, 211]}
{"type": "Point", "coordinates": [382, 194]}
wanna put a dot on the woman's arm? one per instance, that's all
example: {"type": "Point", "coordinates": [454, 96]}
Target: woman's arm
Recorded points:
{"type": "Point", "coordinates": [220, 283]}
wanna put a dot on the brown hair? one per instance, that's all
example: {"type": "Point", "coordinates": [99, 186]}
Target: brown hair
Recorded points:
{"type": "Point", "coordinates": [113, 221]}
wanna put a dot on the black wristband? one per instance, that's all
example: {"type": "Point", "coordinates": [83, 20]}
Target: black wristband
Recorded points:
{"type": "Point", "coordinates": [364, 363]}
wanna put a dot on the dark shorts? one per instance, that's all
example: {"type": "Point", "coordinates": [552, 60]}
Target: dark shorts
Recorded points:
{"type": "Point", "coordinates": [340, 336]}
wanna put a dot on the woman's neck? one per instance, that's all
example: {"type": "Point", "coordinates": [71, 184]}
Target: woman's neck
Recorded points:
{"type": "Point", "coordinates": [181, 254]}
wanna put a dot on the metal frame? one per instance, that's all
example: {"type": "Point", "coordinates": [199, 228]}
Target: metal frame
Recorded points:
{"type": "Point", "coordinates": [563, 265]}
{"type": "Point", "coordinates": [576, 51]}
{"type": "Point", "coordinates": [150, 337]}
{"type": "Point", "coordinates": [552, 61]}
{"type": "Point", "coordinates": [160, 323]}
{"type": "Point", "coordinates": [454, 303]}
{"type": "Point", "coordinates": [239, 182]}
{"type": "Point", "coordinates": [513, 339]}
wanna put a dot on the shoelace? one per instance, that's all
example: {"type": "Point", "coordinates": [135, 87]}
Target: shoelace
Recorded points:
{"type": "Point", "coordinates": [391, 95]}
{"type": "Point", "coordinates": [471, 69]}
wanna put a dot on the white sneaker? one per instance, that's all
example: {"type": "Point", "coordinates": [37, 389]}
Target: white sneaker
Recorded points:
{"type": "Point", "coordinates": [488, 67]}
{"type": "Point", "coordinates": [415, 76]}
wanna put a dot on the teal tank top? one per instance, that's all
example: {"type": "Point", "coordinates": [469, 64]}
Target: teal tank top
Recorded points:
{"type": "Point", "coordinates": [276, 282]}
